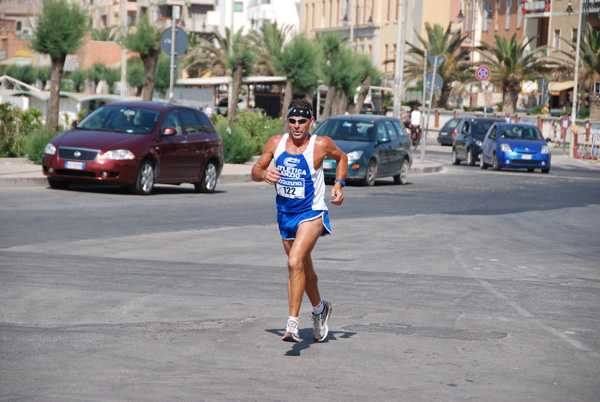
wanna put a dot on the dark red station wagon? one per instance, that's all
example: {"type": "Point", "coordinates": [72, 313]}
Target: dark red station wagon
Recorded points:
{"type": "Point", "coordinates": [137, 144]}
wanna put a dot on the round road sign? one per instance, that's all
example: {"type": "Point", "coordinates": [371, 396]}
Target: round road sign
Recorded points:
{"type": "Point", "coordinates": [482, 73]}
{"type": "Point", "coordinates": [565, 122]}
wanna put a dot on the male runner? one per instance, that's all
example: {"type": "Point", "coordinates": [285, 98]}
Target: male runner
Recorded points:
{"type": "Point", "coordinates": [301, 208]}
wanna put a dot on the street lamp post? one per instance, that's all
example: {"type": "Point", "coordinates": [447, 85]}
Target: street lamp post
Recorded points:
{"type": "Point", "coordinates": [576, 80]}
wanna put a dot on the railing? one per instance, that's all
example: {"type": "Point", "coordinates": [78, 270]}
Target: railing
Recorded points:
{"type": "Point", "coordinates": [538, 6]}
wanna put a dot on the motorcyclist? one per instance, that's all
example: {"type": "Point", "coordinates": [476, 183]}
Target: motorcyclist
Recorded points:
{"type": "Point", "coordinates": [415, 123]}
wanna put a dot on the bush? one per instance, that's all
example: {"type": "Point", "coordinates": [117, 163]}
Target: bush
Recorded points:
{"type": "Point", "coordinates": [35, 144]}
{"type": "Point", "coordinates": [500, 104]}
{"type": "Point", "coordinates": [236, 146]}
{"type": "Point", "coordinates": [584, 113]}
{"type": "Point", "coordinates": [15, 124]}
{"type": "Point", "coordinates": [537, 109]}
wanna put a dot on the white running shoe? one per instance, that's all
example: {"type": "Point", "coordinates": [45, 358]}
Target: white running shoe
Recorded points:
{"type": "Point", "coordinates": [320, 327]}
{"type": "Point", "coordinates": [291, 332]}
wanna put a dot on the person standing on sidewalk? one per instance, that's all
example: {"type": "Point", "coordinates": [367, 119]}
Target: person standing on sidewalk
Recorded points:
{"type": "Point", "coordinates": [301, 208]}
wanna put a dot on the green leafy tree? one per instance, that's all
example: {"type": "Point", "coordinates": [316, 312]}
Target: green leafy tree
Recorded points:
{"type": "Point", "coordinates": [367, 74]}
{"type": "Point", "coordinates": [240, 59]}
{"type": "Point", "coordinates": [163, 74]}
{"type": "Point", "coordinates": [135, 74]}
{"type": "Point", "coordinates": [26, 74]}
{"type": "Point", "coordinates": [78, 78]}
{"type": "Point", "coordinates": [59, 31]}
{"type": "Point", "coordinates": [440, 42]}
{"type": "Point", "coordinates": [106, 34]}
{"type": "Point", "coordinates": [511, 63]}
{"type": "Point", "coordinates": [111, 75]}
{"type": "Point", "coordinates": [44, 74]}
{"type": "Point", "coordinates": [144, 38]}
{"type": "Point", "coordinates": [96, 74]}
{"type": "Point", "coordinates": [331, 66]}
{"type": "Point", "coordinates": [301, 76]}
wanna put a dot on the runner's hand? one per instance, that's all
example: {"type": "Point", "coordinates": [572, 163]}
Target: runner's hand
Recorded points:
{"type": "Point", "coordinates": [336, 195]}
{"type": "Point", "coordinates": [272, 175]}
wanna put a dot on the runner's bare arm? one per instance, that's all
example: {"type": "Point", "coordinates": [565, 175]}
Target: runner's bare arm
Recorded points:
{"type": "Point", "coordinates": [333, 152]}
{"type": "Point", "coordinates": [261, 170]}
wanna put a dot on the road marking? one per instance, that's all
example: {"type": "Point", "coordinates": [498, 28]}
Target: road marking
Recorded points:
{"type": "Point", "coordinates": [524, 313]}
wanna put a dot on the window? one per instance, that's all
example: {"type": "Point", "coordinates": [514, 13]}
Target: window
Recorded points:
{"type": "Point", "coordinates": [399, 128]}
{"type": "Point", "coordinates": [382, 133]}
{"type": "Point", "coordinates": [171, 120]}
{"type": "Point", "coordinates": [392, 130]}
{"type": "Point", "coordinates": [557, 39]}
{"type": "Point", "coordinates": [574, 35]}
{"type": "Point", "coordinates": [597, 87]}
{"type": "Point", "coordinates": [238, 6]}
{"type": "Point", "coordinates": [190, 121]}
{"type": "Point", "coordinates": [519, 17]}
{"type": "Point", "coordinates": [508, 14]}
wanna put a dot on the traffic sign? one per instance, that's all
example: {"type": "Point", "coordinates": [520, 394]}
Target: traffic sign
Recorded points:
{"type": "Point", "coordinates": [181, 41]}
{"type": "Point", "coordinates": [565, 122]}
{"type": "Point", "coordinates": [507, 117]}
{"type": "Point", "coordinates": [483, 73]}
{"type": "Point", "coordinates": [438, 82]}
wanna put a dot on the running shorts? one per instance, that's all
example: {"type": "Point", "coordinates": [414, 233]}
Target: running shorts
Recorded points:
{"type": "Point", "coordinates": [288, 223]}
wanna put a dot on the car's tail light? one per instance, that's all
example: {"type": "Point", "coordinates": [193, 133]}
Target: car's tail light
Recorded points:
{"type": "Point", "coordinates": [454, 133]}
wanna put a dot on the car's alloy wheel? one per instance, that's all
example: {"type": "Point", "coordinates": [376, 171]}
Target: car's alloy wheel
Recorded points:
{"type": "Point", "coordinates": [403, 176]}
{"type": "Point", "coordinates": [470, 158]}
{"type": "Point", "coordinates": [482, 164]}
{"type": "Point", "coordinates": [144, 183]}
{"type": "Point", "coordinates": [369, 179]}
{"type": "Point", "coordinates": [455, 160]}
{"type": "Point", "coordinates": [496, 164]}
{"type": "Point", "coordinates": [209, 179]}
{"type": "Point", "coordinates": [58, 184]}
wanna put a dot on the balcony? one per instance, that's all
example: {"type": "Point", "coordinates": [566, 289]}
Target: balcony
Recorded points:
{"type": "Point", "coordinates": [537, 6]}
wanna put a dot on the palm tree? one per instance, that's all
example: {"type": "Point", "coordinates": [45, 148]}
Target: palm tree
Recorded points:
{"type": "Point", "coordinates": [208, 56]}
{"type": "Point", "coordinates": [510, 64]}
{"type": "Point", "coordinates": [440, 43]}
{"type": "Point", "coordinates": [269, 41]}
{"type": "Point", "coordinates": [107, 34]}
{"type": "Point", "coordinates": [240, 59]}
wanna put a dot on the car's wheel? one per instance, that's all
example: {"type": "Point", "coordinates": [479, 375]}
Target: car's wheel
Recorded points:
{"type": "Point", "coordinates": [495, 163]}
{"type": "Point", "coordinates": [546, 170]}
{"type": "Point", "coordinates": [369, 179]}
{"type": "Point", "coordinates": [403, 176]}
{"type": "Point", "coordinates": [58, 184]}
{"type": "Point", "coordinates": [209, 179]}
{"type": "Point", "coordinates": [144, 183]}
{"type": "Point", "coordinates": [455, 160]}
{"type": "Point", "coordinates": [482, 164]}
{"type": "Point", "coordinates": [530, 169]}
{"type": "Point", "coordinates": [470, 157]}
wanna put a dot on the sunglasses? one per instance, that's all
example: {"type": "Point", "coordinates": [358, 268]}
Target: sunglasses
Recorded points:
{"type": "Point", "coordinates": [299, 121]}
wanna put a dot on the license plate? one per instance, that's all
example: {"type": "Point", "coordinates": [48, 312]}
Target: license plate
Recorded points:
{"type": "Point", "coordinates": [526, 156]}
{"type": "Point", "coordinates": [75, 165]}
{"type": "Point", "coordinates": [327, 165]}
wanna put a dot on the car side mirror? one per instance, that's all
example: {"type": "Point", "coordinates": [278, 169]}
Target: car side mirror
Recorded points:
{"type": "Point", "coordinates": [384, 140]}
{"type": "Point", "coordinates": [75, 123]}
{"type": "Point", "coordinates": [548, 139]}
{"type": "Point", "coordinates": [168, 131]}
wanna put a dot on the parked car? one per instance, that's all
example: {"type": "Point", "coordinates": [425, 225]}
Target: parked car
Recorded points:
{"type": "Point", "coordinates": [377, 146]}
{"type": "Point", "coordinates": [516, 146]}
{"type": "Point", "coordinates": [470, 132]}
{"type": "Point", "coordinates": [448, 132]}
{"type": "Point", "coordinates": [137, 144]}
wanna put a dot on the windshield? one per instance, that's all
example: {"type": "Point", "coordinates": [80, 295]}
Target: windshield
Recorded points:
{"type": "Point", "coordinates": [122, 119]}
{"type": "Point", "coordinates": [521, 133]}
{"type": "Point", "coordinates": [348, 130]}
{"type": "Point", "coordinates": [481, 127]}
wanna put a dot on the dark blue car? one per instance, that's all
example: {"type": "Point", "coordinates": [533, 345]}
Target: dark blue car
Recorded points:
{"type": "Point", "coordinates": [515, 146]}
{"type": "Point", "coordinates": [377, 146]}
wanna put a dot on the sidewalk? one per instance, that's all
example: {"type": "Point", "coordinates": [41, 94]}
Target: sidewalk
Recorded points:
{"type": "Point", "coordinates": [20, 172]}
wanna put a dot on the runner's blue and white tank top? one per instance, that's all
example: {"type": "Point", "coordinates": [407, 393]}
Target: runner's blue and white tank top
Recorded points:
{"type": "Point", "coordinates": [301, 188]}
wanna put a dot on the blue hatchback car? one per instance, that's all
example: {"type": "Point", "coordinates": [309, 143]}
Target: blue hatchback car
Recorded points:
{"type": "Point", "coordinates": [515, 146]}
{"type": "Point", "coordinates": [377, 146]}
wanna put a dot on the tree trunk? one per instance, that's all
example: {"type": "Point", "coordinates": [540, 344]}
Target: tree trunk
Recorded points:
{"type": "Point", "coordinates": [149, 61]}
{"type": "Point", "coordinates": [594, 106]}
{"type": "Point", "coordinates": [510, 94]}
{"type": "Point", "coordinates": [362, 94]}
{"type": "Point", "coordinates": [442, 101]}
{"type": "Point", "coordinates": [340, 103]}
{"type": "Point", "coordinates": [328, 102]}
{"type": "Point", "coordinates": [53, 103]}
{"type": "Point", "coordinates": [235, 93]}
{"type": "Point", "coordinates": [287, 99]}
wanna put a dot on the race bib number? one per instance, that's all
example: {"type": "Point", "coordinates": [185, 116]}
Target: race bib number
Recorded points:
{"type": "Point", "coordinates": [290, 188]}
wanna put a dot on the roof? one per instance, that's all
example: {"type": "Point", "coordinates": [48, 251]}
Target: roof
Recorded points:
{"type": "Point", "coordinates": [556, 87]}
{"type": "Point", "coordinates": [226, 80]}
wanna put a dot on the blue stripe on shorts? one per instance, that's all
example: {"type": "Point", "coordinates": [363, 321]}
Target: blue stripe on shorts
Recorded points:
{"type": "Point", "coordinates": [288, 223]}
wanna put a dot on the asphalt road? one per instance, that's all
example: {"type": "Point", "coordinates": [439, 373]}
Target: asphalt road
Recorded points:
{"type": "Point", "coordinates": [460, 285]}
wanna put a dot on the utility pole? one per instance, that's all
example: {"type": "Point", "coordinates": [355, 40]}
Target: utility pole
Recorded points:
{"type": "Point", "coordinates": [401, 44]}
{"type": "Point", "coordinates": [123, 18]}
{"type": "Point", "coordinates": [576, 81]}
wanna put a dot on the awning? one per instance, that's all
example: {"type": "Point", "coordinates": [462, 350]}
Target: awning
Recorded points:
{"type": "Point", "coordinates": [556, 87]}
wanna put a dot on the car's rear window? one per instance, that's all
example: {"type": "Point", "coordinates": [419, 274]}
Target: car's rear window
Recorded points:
{"type": "Point", "coordinates": [481, 127]}
{"type": "Point", "coordinates": [452, 124]}
{"type": "Point", "coordinates": [349, 130]}
{"type": "Point", "coordinates": [520, 133]}
{"type": "Point", "coordinates": [122, 119]}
